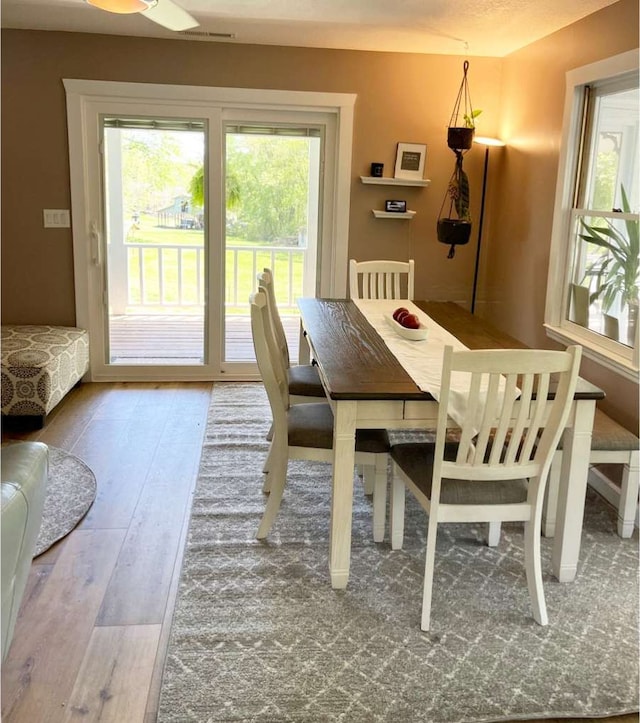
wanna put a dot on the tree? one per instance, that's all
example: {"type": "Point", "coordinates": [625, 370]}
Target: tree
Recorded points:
{"type": "Point", "coordinates": [154, 168]}
{"type": "Point", "coordinates": [272, 174]}
{"type": "Point", "coordinates": [266, 185]}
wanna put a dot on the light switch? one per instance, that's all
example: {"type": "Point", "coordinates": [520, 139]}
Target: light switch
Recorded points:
{"type": "Point", "coordinates": [56, 218]}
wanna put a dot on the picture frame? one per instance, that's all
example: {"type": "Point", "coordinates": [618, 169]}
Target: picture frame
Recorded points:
{"type": "Point", "coordinates": [410, 161]}
{"type": "Point", "coordinates": [395, 206]}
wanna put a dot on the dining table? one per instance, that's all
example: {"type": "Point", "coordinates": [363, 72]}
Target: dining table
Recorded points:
{"type": "Point", "coordinates": [368, 387]}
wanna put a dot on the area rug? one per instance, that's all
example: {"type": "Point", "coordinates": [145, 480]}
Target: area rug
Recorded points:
{"type": "Point", "coordinates": [259, 634]}
{"type": "Point", "coordinates": [71, 490]}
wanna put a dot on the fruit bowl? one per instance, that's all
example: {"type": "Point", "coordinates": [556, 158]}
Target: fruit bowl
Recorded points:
{"type": "Point", "coordinates": [419, 334]}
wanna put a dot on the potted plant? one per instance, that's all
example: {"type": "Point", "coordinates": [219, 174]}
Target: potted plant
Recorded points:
{"type": "Point", "coordinates": [617, 271]}
{"type": "Point", "coordinates": [461, 137]}
{"type": "Point", "coordinates": [455, 228]}
{"type": "Point", "coordinates": [462, 122]}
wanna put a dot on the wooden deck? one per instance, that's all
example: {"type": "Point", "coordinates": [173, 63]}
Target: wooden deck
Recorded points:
{"type": "Point", "coordinates": [179, 339]}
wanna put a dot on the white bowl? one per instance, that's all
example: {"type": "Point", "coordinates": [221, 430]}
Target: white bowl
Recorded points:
{"type": "Point", "coordinates": [419, 334]}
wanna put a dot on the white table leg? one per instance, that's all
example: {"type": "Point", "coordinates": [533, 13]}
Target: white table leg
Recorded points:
{"type": "Point", "coordinates": [344, 431]}
{"type": "Point", "coordinates": [572, 491]}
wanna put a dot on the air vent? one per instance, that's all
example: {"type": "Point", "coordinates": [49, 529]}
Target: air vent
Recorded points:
{"type": "Point", "coordinates": [205, 34]}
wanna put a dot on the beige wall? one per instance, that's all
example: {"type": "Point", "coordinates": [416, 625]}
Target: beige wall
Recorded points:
{"type": "Point", "coordinates": [523, 187]}
{"type": "Point", "coordinates": [401, 97]}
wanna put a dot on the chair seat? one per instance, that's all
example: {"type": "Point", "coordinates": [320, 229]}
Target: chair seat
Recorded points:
{"type": "Point", "coordinates": [304, 381]}
{"type": "Point", "coordinates": [311, 425]}
{"type": "Point", "coordinates": [416, 461]}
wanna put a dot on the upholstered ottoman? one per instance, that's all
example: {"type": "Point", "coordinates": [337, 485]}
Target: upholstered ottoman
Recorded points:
{"type": "Point", "coordinates": [40, 364]}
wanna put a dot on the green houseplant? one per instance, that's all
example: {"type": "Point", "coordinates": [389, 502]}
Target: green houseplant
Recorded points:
{"type": "Point", "coordinates": [462, 122]}
{"type": "Point", "coordinates": [617, 271]}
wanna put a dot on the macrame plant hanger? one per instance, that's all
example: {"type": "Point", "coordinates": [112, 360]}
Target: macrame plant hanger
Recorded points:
{"type": "Point", "coordinates": [454, 229]}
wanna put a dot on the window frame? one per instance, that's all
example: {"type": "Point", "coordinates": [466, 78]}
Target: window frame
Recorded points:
{"type": "Point", "coordinates": [608, 353]}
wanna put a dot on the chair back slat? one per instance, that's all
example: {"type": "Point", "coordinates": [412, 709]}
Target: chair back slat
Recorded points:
{"type": "Point", "coordinates": [502, 436]}
{"type": "Point", "coordinates": [381, 279]}
{"type": "Point", "coordinates": [490, 400]}
{"type": "Point", "coordinates": [466, 448]}
{"type": "Point", "coordinates": [518, 428]}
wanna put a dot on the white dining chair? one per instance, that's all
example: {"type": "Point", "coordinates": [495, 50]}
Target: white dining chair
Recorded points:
{"type": "Point", "coordinates": [497, 469]}
{"type": "Point", "coordinates": [303, 379]}
{"type": "Point", "coordinates": [305, 431]}
{"type": "Point", "coordinates": [381, 279]}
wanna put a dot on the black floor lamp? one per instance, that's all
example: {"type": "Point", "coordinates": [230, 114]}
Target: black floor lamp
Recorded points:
{"type": "Point", "coordinates": [487, 143]}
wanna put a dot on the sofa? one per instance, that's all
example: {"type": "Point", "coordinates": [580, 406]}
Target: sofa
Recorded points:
{"type": "Point", "coordinates": [24, 481]}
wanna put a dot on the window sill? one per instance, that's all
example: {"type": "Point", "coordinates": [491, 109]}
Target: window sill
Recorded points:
{"type": "Point", "coordinates": [616, 363]}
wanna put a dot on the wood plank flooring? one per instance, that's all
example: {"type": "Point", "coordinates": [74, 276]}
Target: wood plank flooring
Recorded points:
{"type": "Point", "coordinates": [94, 623]}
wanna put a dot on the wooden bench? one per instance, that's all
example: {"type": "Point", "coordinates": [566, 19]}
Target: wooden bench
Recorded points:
{"type": "Point", "coordinates": [40, 364]}
{"type": "Point", "coordinates": [610, 444]}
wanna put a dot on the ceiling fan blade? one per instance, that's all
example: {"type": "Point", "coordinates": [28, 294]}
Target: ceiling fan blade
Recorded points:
{"type": "Point", "coordinates": [170, 15]}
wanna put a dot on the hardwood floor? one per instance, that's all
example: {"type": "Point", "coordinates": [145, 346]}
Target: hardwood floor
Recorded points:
{"type": "Point", "coordinates": [94, 623]}
{"type": "Point", "coordinates": [90, 640]}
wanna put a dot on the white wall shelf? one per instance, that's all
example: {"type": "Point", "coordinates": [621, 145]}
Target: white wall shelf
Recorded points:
{"type": "Point", "coordinates": [375, 180]}
{"type": "Point", "coordinates": [392, 214]}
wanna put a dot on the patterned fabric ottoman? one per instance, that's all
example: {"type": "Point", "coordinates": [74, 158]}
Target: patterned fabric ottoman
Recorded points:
{"type": "Point", "coordinates": [40, 364]}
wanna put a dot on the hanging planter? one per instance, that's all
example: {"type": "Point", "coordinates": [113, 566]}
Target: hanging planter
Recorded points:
{"type": "Point", "coordinates": [454, 229]}
{"type": "Point", "coordinates": [454, 219]}
{"type": "Point", "coordinates": [462, 121]}
{"type": "Point", "coordinates": [453, 232]}
{"type": "Point", "coordinates": [460, 138]}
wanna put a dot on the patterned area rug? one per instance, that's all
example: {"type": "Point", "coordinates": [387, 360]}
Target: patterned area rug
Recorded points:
{"type": "Point", "coordinates": [259, 634]}
{"type": "Point", "coordinates": [71, 490]}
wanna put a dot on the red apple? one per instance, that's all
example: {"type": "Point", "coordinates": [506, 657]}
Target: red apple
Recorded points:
{"type": "Point", "coordinates": [401, 315]}
{"type": "Point", "coordinates": [397, 312]}
{"type": "Point", "coordinates": [410, 321]}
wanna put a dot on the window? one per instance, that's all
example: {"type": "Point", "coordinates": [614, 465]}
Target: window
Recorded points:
{"type": "Point", "coordinates": [592, 293]}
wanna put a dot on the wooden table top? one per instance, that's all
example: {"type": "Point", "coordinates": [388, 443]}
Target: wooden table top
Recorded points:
{"type": "Point", "coordinates": [356, 363]}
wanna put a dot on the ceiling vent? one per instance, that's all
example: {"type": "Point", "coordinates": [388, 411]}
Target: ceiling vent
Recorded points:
{"type": "Point", "coordinates": [205, 34]}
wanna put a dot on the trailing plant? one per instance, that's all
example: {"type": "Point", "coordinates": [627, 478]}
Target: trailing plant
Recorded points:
{"type": "Point", "coordinates": [618, 271]}
{"type": "Point", "coordinates": [458, 191]}
{"type": "Point", "coordinates": [470, 119]}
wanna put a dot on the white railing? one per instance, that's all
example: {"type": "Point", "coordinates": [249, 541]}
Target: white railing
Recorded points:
{"type": "Point", "coordinates": [170, 275]}
{"type": "Point", "coordinates": [243, 263]}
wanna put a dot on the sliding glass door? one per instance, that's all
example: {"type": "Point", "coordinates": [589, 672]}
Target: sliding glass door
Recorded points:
{"type": "Point", "coordinates": [180, 196]}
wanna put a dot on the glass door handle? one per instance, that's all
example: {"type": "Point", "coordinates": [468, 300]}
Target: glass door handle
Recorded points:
{"type": "Point", "coordinates": [96, 244]}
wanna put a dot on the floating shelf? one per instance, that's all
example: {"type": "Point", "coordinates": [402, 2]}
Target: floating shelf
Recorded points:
{"type": "Point", "coordinates": [392, 214]}
{"type": "Point", "coordinates": [377, 181]}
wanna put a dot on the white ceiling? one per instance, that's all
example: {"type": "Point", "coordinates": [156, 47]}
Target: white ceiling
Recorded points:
{"type": "Point", "coordinates": [471, 27]}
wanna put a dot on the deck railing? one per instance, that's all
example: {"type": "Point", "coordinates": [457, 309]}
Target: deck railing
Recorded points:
{"type": "Point", "coordinates": [160, 277]}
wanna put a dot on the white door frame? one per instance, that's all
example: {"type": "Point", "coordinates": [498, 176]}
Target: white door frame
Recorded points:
{"type": "Point", "coordinates": [87, 100]}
